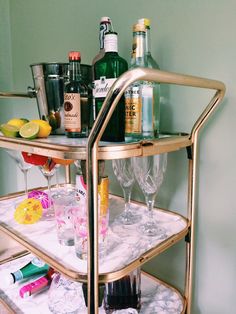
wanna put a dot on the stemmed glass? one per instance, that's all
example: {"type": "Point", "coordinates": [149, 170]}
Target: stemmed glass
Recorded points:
{"type": "Point", "coordinates": [48, 170]}
{"type": "Point", "coordinates": [24, 166]}
{"type": "Point", "coordinates": [124, 172]}
{"type": "Point", "coordinates": [149, 173]}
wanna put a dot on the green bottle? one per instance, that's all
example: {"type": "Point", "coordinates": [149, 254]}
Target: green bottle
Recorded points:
{"type": "Point", "coordinates": [106, 71]}
{"type": "Point", "coordinates": [142, 97]}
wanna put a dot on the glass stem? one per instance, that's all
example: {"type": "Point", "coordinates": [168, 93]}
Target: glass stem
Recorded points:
{"type": "Point", "coordinates": [127, 195]}
{"type": "Point", "coordinates": [150, 204]}
{"type": "Point", "coordinates": [25, 172]}
{"type": "Point", "coordinates": [49, 189]}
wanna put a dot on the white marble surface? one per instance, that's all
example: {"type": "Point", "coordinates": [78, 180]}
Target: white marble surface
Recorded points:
{"type": "Point", "coordinates": [155, 297]}
{"type": "Point", "coordinates": [125, 243]}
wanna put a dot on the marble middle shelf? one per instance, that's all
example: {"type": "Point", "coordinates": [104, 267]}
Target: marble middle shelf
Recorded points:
{"type": "Point", "coordinates": [127, 247]}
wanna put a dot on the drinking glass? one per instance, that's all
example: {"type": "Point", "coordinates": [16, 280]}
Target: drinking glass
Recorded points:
{"type": "Point", "coordinates": [65, 296]}
{"type": "Point", "coordinates": [48, 170]}
{"type": "Point", "coordinates": [149, 173]}
{"type": "Point", "coordinates": [24, 166]}
{"type": "Point", "coordinates": [124, 172]}
{"type": "Point", "coordinates": [124, 293]}
{"type": "Point", "coordinates": [65, 204]}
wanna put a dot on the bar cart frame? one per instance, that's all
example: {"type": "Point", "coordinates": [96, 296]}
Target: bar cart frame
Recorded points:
{"type": "Point", "coordinates": [92, 151]}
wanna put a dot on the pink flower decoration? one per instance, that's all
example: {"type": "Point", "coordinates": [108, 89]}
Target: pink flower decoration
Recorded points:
{"type": "Point", "coordinates": [42, 197]}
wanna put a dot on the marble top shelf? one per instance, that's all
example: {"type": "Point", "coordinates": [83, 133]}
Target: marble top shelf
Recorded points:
{"type": "Point", "coordinates": [156, 296]}
{"type": "Point", "coordinates": [127, 248]}
{"type": "Point", "coordinates": [59, 146]}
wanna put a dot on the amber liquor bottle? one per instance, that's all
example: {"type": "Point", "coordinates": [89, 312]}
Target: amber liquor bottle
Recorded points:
{"type": "Point", "coordinates": [76, 108]}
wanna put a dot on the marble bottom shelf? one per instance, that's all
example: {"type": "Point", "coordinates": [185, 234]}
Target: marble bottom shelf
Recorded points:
{"type": "Point", "coordinates": [157, 297]}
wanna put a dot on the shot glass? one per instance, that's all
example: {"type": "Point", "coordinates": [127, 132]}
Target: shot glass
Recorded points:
{"type": "Point", "coordinates": [81, 235]}
{"type": "Point", "coordinates": [65, 204]}
{"type": "Point", "coordinates": [124, 293]}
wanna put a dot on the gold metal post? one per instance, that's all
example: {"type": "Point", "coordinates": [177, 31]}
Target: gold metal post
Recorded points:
{"type": "Point", "coordinates": [99, 126]}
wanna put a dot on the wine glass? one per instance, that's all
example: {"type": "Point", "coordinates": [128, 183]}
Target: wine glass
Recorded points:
{"type": "Point", "coordinates": [24, 166]}
{"type": "Point", "coordinates": [149, 173]}
{"type": "Point", "coordinates": [124, 172]}
{"type": "Point", "coordinates": [48, 170]}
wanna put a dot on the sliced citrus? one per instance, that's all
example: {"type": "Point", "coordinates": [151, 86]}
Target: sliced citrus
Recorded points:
{"type": "Point", "coordinates": [25, 120]}
{"type": "Point", "coordinates": [63, 161]}
{"type": "Point", "coordinates": [9, 130]}
{"type": "Point", "coordinates": [29, 130]}
{"type": "Point", "coordinates": [44, 128]}
{"type": "Point", "coordinates": [29, 211]}
{"type": "Point", "coordinates": [18, 122]}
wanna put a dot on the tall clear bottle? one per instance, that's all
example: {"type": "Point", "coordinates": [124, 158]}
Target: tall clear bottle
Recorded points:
{"type": "Point", "coordinates": [151, 62]}
{"type": "Point", "coordinates": [76, 107]}
{"type": "Point", "coordinates": [106, 71]}
{"type": "Point", "coordinates": [142, 97]}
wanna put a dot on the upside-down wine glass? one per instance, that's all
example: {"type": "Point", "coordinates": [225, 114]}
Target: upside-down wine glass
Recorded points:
{"type": "Point", "coordinates": [124, 172]}
{"type": "Point", "coordinates": [24, 166]}
{"type": "Point", "coordinates": [149, 173]}
{"type": "Point", "coordinates": [48, 170]}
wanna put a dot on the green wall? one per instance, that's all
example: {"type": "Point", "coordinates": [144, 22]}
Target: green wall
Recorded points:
{"type": "Point", "coordinates": [188, 36]}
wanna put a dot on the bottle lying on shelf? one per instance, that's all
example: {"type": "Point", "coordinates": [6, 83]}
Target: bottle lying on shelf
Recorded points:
{"type": "Point", "coordinates": [35, 267]}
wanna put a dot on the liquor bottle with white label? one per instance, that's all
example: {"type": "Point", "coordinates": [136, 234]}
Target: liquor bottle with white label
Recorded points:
{"type": "Point", "coordinates": [106, 71]}
{"type": "Point", "coordinates": [105, 26]}
{"type": "Point", "coordinates": [142, 97]}
{"type": "Point", "coordinates": [76, 107]}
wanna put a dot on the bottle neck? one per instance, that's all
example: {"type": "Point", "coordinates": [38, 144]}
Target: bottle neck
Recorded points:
{"type": "Point", "coordinates": [74, 68]}
{"type": "Point", "coordinates": [104, 28]}
{"type": "Point", "coordinates": [148, 40]}
{"type": "Point", "coordinates": [138, 57]}
{"type": "Point", "coordinates": [111, 44]}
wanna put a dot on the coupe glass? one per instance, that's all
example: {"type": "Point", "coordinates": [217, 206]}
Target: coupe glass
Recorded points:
{"type": "Point", "coordinates": [149, 173]}
{"type": "Point", "coordinates": [24, 166]}
{"type": "Point", "coordinates": [124, 172]}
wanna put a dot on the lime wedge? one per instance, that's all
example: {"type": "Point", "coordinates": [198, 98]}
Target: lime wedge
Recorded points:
{"type": "Point", "coordinates": [29, 130]}
{"type": "Point", "coordinates": [9, 130]}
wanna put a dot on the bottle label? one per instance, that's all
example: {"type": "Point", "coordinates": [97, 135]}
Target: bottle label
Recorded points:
{"type": "Point", "coordinates": [102, 86]}
{"type": "Point", "coordinates": [133, 110]}
{"type": "Point", "coordinates": [148, 103]}
{"type": "Point", "coordinates": [72, 112]}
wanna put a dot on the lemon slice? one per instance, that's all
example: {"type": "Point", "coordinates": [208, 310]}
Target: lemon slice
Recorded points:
{"type": "Point", "coordinates": [29, 130]}
{"type": "Point", "coordinates": [17, 122]}
{"type": "Point", "coordinates": [9, 130]}
{"type": "Point", "coordinates": [44, 128]}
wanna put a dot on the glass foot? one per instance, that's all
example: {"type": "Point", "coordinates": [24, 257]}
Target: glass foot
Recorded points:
{"type": "Point", "coordinates": [151, 229]}
{"type": "Point", "coordinates": [129, 218]}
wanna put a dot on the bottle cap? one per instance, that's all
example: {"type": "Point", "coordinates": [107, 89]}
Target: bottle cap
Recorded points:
{"type": "Point", "coordinates": [139, 28]}
{"type": "Point", "coordinates": [145, 22]}
{"type": "Point", "coordinates": [105, 19]}
{"type": "Point", "coordinates": [74, 55]}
